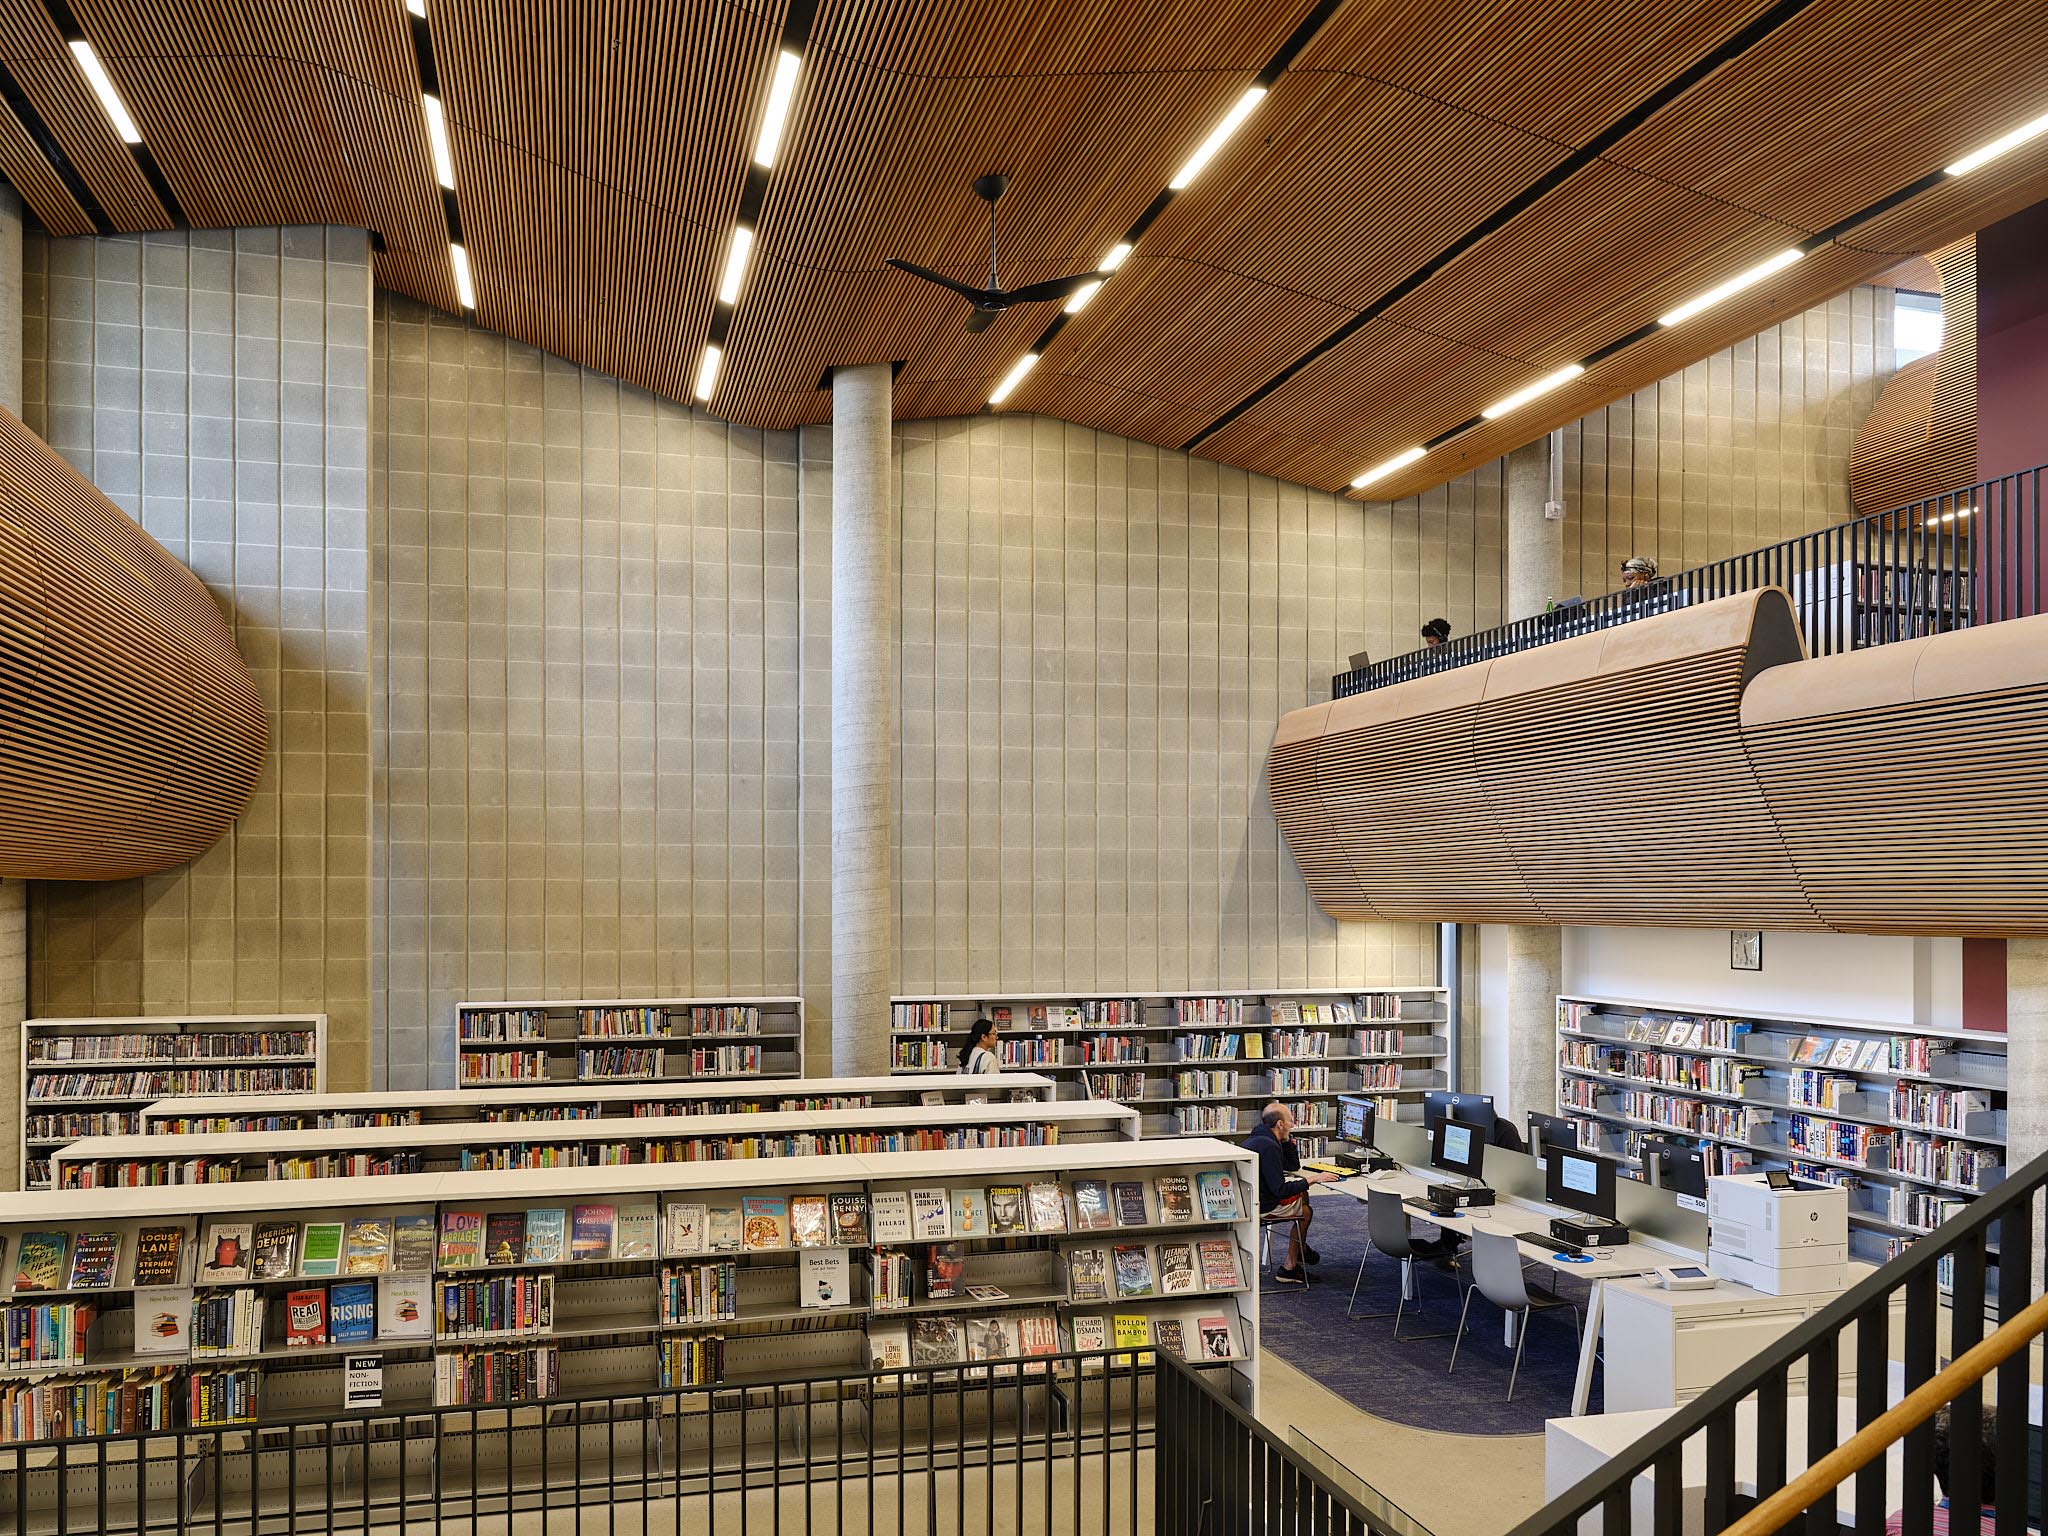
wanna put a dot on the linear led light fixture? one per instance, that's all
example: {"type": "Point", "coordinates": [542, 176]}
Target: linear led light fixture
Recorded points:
{"type": "Point", "coordinates": [437, 141]}
{"type": "Point", "coordinates": [1733, 286]}
{"type": "Point", "coordinates": [1082, 296]}
{"type": "Point", "coordinates": [1542, 386]}
{"type": "Point", "coordinates": [735, 264]}
{"type": "Point", "coordinates": [1115, 258]}
{"type": "Point", "coordinates": [1218, 137]}
{"type": "Point", "coordinates": [1013, 378]}
{"type": "Point", "coordinates": [1398, 461]}
{"type": "Point", "coordinates": [1983, 156]}
{"type": "Point", "coordinates": [781, 92]}
{"type": "Point", "coordinates": [707, 371]}
{"type": "Point", "coordinates": [103, 87]}
{"type": "Point", "coordinates": [418, 8]}
{"type": "Point", "coordinates": [465, 290]}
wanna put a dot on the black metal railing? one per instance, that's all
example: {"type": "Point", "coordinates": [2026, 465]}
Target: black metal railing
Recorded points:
{"type": "Point", "coordinates": [1720, 1454]}
{"type": "Point", "coordinates": [1219, 1472]}
{"type": "Point", "coordinates": [1055, 1445]}
{"type": "Point", "coordinates": [1970, 557]}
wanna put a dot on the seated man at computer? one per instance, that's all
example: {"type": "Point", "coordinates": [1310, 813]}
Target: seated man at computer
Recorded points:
{"type": "Point", "coordinates": [1283, 1188]}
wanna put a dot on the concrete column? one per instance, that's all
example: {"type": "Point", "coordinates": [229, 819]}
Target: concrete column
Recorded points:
{"type": "Point", "coordinates": [2026, 1015]}
{"type": "Point", "coordinates": [1535, 544]}
{"type": "Point", "coordinates": [13, 893]}
{"type": "Point", "coordinates": [864, 725]}
{"type": "Point", "coordinates": [1535, 956]}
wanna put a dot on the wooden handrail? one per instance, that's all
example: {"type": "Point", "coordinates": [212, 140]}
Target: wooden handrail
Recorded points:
{"type": "Point", "coordinates": [1896, 1422]}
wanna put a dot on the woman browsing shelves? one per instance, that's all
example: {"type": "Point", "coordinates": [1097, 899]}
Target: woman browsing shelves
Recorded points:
{"type": "Point", "coordinates": [981, 1048]}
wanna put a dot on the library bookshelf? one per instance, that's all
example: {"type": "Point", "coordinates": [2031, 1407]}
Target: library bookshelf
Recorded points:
{"type": "Point", "coordinates": [1911, 1120]}
{"type": "Point", "coordinates": [235, 1305]}
{"type": "Point", "coordinates": [103, 1162]}
{"type": "Point", "coordinates": [1200, 1064]}
{"type": "Point", "coordinates": [595, 1040]}
{"type": "Point", "coordinates": [83, 1077]}
{"type": "Point", "coordinates": [593, 1101]}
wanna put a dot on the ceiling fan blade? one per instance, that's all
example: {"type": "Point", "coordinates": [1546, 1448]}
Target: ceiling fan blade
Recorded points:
{"type": "Point", "coordinates": [981, 319]}
{"type": "Point", "coordinates": [966, 291]}
{"type": "Point", "coordinates": [1053, 288]}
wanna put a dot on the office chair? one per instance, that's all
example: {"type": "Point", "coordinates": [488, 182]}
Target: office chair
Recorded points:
{"type": "Point", "coordinates": [1497, 1273]}
{"type": "Point", "coordinates": [1386, 1225]}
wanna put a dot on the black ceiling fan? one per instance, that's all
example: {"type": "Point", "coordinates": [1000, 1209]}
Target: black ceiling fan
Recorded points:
{"type": "Point", "coordinates": [991, 301]}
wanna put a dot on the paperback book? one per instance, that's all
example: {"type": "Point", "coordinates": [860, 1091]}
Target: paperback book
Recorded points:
{"type": "Point", "coordinates": [891, 1217]}
{"type": "Point", "coordinates": [1091, 1205]}
{"type": "Point", "coordinates": [684, 1226]}
{"type": "Point", "coordinates": [412, 1243]}
{"type": "Point", "coordinates": [462, 1239]}
{"type": "Point", "coordinates": [591, 1229]}
{"type": "Point", "coordinates": [93, 1257]}
{"type": "Point", "coordinates": [1129, 1195]}
{"type": "Point", "coordinates": [1087, 1275]}
{"type": "Point", "coordinates": [1006, 1215]}
{"type": "Point", "coordinates": [1133, 1270]}
{"type": "Point", "coordinates": [850, 1220]}
{"type": "Point", "coordinates": [547, 1234]}
{"type": "Point", "coordinates": [305, 1318]}
{"type": "Point", "coordinates": [1048, 1208]}
{"type": "Point", "coordinates": [320, 1249]}
{"type": "Point", "coordinates": [1176, 1269]}
{"type": "Point", "coordinates": [970, 1213]}
{"type": "Point", "coordinates": [809, 1222]}
{"type": "Point", "coordinates": [1219, 1195]}
{"type": "Point", "coordinates": [929, 1216]}
{"type": "Point", "coordinates": [224, 1255]}
{"type": "Point", "coordinates": [637, 1228]}
{"type": "Point", "coordinates": [766, 1221]}
{"type": "Point", "coordinates": [159, 1256]}
{"type": "Point", "coordinates": [1176, 1200]}
{"type": "Point", "coordinates": [367, 1248]}
{"type": "Point", "coordinates": [504, 1237]}
{"type": "Point", "coordinates": [276, 1255]}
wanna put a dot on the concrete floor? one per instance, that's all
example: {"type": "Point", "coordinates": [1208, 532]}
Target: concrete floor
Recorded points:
{"type": "Point", "coordinates": [1427, 1475]}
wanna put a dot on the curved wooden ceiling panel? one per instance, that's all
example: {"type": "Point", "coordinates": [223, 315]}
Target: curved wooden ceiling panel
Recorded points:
{"type": "Point", "coordinates": [130, 734]}
{"type": "Point", "coordinates": [1403, 161]}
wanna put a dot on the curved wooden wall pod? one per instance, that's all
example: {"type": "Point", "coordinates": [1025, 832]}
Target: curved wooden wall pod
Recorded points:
{"type": "Point", "coordinates": [1907, 780]}
{"type": "Point", "coordinates": [131, 734]}
{"type": "Point", "coordinates": [1599, 779]}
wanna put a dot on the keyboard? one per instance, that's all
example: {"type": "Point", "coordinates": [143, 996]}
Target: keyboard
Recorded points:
{"type": "Point", "coordinates": [1319, 1166]}
{"type": "Point", "coordinates": [1546, 1240]}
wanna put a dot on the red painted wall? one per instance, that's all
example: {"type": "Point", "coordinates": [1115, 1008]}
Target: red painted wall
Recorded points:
{"type": "Point", "coordinates": [2012, 344]}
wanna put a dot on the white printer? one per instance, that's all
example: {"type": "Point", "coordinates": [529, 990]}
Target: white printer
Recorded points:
{"type": "Point", "coordinates": [1783, 1242]}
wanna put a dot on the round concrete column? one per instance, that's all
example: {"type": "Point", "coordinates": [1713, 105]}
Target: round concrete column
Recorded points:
{"type": "Point", "coordinates": [864, 725]}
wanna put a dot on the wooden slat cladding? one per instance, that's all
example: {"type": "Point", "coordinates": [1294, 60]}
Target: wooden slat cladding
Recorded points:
{"type": "Point", "coordinates": [132, 734]}
{"type": "Point", "coordinates": [1907, 780]}
{"type": "Point", "coordinates": [602, 154]}
{"type": "Point", "coordinates": [1920, 438]}
{"type": "Point", "coordinates": [1689, 770]}
{"type": "Point", "coordinates": [1598, 780]}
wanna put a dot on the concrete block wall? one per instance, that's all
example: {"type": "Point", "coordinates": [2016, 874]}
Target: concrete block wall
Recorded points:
{"type": "Point", "coordinates": [1742, 449]}
{"type": "Point", "coordinates": [215, 384]}
{"type": "Point", "coordinates": [588, 646]}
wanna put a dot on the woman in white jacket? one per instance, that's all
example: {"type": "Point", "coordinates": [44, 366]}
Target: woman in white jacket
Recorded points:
{"type": "Point", "coordinates": [981, 1048]}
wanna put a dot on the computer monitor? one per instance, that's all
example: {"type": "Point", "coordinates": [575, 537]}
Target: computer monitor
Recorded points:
{"type": "Point", "coordinates": [1472, 1108]}
{"type": "Point", "coordinates": [1674, 1166]}
{"type": "Point", "coordinates": [1457, 1146]}
{"type": "Point", "coordinates": [1356, 1118]}
{"type": "Point", "coordinates": [1547, 1131]}
{"type": "Point", "coordinates": [1580, 1181]}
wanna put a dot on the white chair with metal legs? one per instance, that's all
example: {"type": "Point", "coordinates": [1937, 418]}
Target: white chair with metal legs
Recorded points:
{"type": "Point", "coordinates": [1497, 1274]}
{"type": "Point", "coordinates": [1386, 1226]}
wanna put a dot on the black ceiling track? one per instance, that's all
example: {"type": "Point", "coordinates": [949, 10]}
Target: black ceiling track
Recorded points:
{"type": "Point", "coordinates": [39, 131]}
{"type": "Point", "coordinates": [1737, 45]}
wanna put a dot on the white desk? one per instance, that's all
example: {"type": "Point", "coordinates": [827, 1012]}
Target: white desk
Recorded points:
{"type": "Point", "coordinates": [1575, 1448]}
{"type": "Point", "coordinates": [1514, 1214]}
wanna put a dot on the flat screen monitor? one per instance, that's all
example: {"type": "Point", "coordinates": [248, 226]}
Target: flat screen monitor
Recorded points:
{"type": "Point", "coordinates": [1674, 1166]}
{"type": "Point", "coordinates": [1472, 1108]}
{"type": "Point", "coordinates": [1457, 1147]}
{"type": "Point", "coordinates": [1547, 1131]}
{"type": "Point", "coordinates": [1355, 1119]}
{"type": "Point", "coordinates": [1580, 1181]}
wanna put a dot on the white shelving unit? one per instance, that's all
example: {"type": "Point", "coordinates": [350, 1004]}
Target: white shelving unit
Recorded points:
{"type": "Point", "coordinates": [92, 1076]}
{"type": "Point", "coordinates": [1912, 1120]}
{"type": "Point", "coordinates": [608, 1323]}
{"type": "Point", "coordinates": [102, 1162]}
{"type": "Point", "coordinates": [577, 1101]}
{"type": "Point", "coordinates": [1152, 1050]}
{"type": "Point", "coordinates": [544, 1043]}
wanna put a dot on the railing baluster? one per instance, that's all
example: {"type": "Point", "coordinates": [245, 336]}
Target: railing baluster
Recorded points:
{"type": "Point", "coordinates": [1873, 1373]}
{"type": "Point", "coordinates": [1770, 1433]}
{"type": "Point", "coordinates": [1667, 1490]}
{"type": "Point", "coordinates": [2015, 1239]}
{"type": "Point", "coordinates": [1917, 1461]}
{"type": "Point", "coordinates": [1966, 1413]}
{"type": "Point", "coordinates": [1822, 1432]}
{"type": "Point", "coordinates": [1720, 1490]}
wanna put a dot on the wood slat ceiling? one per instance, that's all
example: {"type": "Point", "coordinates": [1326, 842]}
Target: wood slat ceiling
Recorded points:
{"type": "Point", "coordinates": [602, 154]}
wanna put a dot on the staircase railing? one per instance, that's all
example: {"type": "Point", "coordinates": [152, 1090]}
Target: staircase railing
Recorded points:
{"type": "Point", "coordinates": [1972, 556]}
{"type": "Point", "coordinates": [1987, 1261]}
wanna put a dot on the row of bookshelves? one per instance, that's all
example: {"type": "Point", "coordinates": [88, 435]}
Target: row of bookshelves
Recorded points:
{"type": "Point", "coordinates": [1185, 1062]}
{"type": "Point", "coordinates": [1911, 1121]}
{"type": "Point", "coordinates": [497, 1283]}
{"type": "Point", "coordinates": [541, 1043]}
{"type": "Point", "coordinates": [92, 1075]}
{"type": "Point", "coordinates": [378, 1152]}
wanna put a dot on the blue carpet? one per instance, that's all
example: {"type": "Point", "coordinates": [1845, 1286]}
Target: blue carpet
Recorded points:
{"type": "Point", "coordinates": [1359, 1361]}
